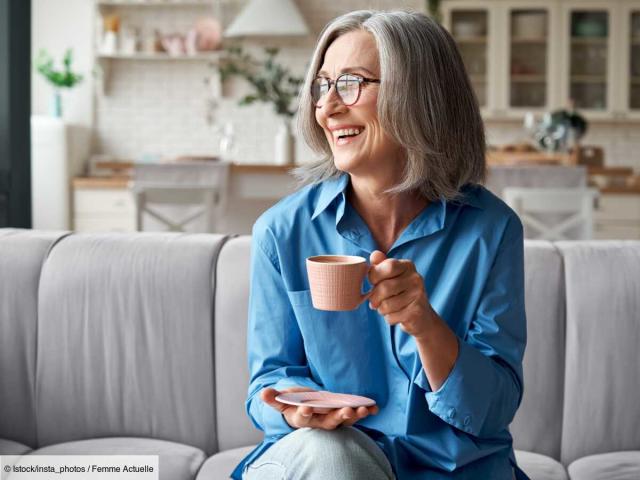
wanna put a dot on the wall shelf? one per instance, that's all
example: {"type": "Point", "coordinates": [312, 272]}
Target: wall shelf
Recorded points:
{"type": "Point", "coordinates": [104, 67]}
{"type": "Point", "coordinates": [162, 56]}
{"type": "Point", "coordinates": [153, 3]}
{"type": "Point", "coordinates": [104, 61]}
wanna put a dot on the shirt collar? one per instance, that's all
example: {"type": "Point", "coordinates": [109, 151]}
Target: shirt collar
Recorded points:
{"type": "Point", "coordinates": [469, 196]}
{"type": "Point", "coordinates": [329, 190]}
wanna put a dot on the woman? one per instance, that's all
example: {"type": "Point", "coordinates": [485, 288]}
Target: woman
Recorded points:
{"type": "Point", "coordinates": [440, 345]}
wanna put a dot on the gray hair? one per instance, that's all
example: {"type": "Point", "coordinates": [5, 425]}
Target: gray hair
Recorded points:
{"type": "Point", "coordinates": [425, 102]}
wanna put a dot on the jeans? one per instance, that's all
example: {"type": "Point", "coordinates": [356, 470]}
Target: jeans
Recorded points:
{"type": "Point", "coordinates": [313, 454]}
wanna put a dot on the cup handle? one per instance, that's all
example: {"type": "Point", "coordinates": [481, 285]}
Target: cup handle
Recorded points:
{"type": "Point", "coordinates": [365, 296]}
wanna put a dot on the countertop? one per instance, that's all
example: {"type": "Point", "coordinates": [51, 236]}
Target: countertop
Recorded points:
{"type": "Point", "coordinates": [122, 181]}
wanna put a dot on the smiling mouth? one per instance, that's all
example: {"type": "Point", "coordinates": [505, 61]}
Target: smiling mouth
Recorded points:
{"type": "Point", "coordinates": [346, 134]}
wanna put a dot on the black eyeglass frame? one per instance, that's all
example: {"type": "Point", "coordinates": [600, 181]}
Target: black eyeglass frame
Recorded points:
{"type": "Point", "coordinates": [332, 83]}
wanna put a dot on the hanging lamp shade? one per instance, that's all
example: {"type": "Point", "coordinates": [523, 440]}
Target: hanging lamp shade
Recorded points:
{"type": "Point", "coordinates": [267, 18]}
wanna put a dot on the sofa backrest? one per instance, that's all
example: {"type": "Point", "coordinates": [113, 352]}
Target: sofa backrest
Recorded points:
{"type": "Point", "coordinates": [232, 371]}
{"type": "Point", "coordinates": [602, 381]}
{"type": "Point", "coordinates": [537, 426]}
{"type": "Point", "coordinates": [125, 341]}
{"type": "Point", "coordinates": [22, 253]}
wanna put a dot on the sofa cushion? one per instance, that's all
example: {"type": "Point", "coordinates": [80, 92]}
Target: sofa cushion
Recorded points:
{"type": "Point", "coordinates": [9, 447]}
{"type": "Point", "coordinates": [175, 462]}
{"type": "Point", "coordinates": [220, 466]}
{"type": "Point", "coordinates": [612, 466]}
{"type": "Point", "coordinates": [538, 422]}
{"type": "Point", "coordinates": [602, 380]}
{"type": "Point", "coordinates": [232, 304]}
{"type": "Point", "coordinates": [125, 338]}
{"type": "Point", "coordinates": [540, 467]}
{"type": "Point", "coordinates": [22, 253]}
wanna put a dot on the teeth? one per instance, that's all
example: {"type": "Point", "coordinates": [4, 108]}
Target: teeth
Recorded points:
{"type": "Point", "coordinates": [346, 131]}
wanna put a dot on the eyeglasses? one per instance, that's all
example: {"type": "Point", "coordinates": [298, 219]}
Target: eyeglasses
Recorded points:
{"type": "Point", "coordinates": [348, 86]}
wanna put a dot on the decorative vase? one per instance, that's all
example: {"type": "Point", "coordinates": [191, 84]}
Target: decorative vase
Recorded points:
{"type": "Point", "coordinates": [284, 146]}
{"type": "Point", "coordinates": [55, 104]}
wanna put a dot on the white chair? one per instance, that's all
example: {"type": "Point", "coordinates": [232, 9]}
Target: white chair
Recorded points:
{"type": "Point", "coordinates": [554, 213]}
{"type": "Point", "coordinates": [177, 195]}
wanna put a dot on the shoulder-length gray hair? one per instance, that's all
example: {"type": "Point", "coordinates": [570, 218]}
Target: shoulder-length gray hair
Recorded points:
{"type": "Point", "coordinates": [425, 102]}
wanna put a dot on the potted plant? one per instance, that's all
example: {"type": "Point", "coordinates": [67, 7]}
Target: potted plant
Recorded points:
{"type": "Point", "coordinates": [271, 83]}
{"type": "Point", "coordinates": [64, 78]}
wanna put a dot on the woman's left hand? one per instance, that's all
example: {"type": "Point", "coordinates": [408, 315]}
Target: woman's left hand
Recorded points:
{"type": "Point", "coordinates": [399, 294]}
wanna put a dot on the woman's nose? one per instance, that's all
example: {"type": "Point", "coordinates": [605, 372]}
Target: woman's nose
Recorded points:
{"type": "Point", "coordinates": [332, 103]}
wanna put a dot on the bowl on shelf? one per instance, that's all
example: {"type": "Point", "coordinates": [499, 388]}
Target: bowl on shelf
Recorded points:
{"type": "Point", "coordinates": [590, 28]}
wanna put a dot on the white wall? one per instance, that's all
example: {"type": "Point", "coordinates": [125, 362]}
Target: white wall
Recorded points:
{"type": "Point", "coordinates": [57, 25]}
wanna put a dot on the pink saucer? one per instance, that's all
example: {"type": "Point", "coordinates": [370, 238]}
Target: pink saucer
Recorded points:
{"type": "Point", "coordinates": [325, 400]}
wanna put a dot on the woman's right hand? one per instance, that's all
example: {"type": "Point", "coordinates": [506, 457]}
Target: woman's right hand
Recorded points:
{"type": "Point", "coordinates": [300, 417]}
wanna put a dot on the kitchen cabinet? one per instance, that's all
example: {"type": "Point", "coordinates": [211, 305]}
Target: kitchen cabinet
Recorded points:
{"type": "Point", "coordinates": [524, 55]}
{"type": "Point", "coordinates": [589, 43]}
{"type": "Point", "coordinates": [630, 60]}
{"type": "Point", "coordinates": [103, 205]}
{"type": "Point", "coordinates": [471, 24]}
{"type": "Point", "coordinates": [617, 216]}
{"type": "Point", "coordinates": [107, 204]}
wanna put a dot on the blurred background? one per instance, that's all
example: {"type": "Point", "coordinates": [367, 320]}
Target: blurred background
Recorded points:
{"type": "Point", "coordinates": [124, 115]}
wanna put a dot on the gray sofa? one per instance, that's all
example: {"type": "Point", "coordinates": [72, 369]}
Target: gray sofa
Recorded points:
{"type": "Point", "coordinates": [135, 344]}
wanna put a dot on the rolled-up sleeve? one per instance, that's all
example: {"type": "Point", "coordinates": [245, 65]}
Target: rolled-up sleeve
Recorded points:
{"type": "Point", "coordinates": [484, 389]}
{"type": "Point", "coordinates": [274, 342]}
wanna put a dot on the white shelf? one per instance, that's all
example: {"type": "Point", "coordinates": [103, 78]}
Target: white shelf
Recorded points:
{"type": "Point", "coordinates": [161, 56]}
{"type": "Point", "coordinates": [153, 3]}
{"type": "Point", "coordinates": [104, 62]}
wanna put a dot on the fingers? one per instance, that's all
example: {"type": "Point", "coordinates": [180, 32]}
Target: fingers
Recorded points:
{"type": "Point", "coordinates": [393, 304]}
{"type": "Point", "coordinates": [386, 289]}
{"type": "Point", "coordinates": [268, 396]}
{"type": "Point", "coordinates": [359, 414]}
{"type": "Point", "coordinates": [342, 416]}
{"type": "Point", "coordinates": [389, 268]}
{"type": "Point", "coordinates": [376, 257]}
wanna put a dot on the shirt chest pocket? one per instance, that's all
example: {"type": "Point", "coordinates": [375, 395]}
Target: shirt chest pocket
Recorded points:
{"type": "Point", "coordinates": [345, 349]}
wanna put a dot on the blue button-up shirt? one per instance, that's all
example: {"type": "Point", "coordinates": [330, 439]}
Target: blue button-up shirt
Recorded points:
{"type": "Point", "coordinates": [470, 254]}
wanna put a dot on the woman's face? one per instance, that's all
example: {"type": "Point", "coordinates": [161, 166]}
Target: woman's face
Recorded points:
{"type": "Point", "coordinates": [371, 150]}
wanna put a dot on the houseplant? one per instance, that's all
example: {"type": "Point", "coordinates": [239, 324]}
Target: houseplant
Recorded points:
{"type": "Point", "coordinates": [59, 79]}
{"type": "Point", "coordinates": [272, 83]}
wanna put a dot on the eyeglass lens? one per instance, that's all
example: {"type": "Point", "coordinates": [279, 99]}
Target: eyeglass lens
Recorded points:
{"type": "Point", "coordinates": [347, 88]}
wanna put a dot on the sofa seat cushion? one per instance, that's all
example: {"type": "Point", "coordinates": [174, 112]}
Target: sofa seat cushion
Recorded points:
{"type": "Point", "coordinates": [220, 465]}
{"type": "Point", "coordinates": [9, 447]}
{"type": "Point", "coordinates": [540, 467]}
{"type": "Point", "coordinates": [176, 461]}
{"type": "Point", "coordinates": [612, 466]}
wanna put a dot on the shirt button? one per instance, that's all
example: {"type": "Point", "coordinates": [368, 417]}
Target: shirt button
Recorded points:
{"type": "Point", "coordinates": [452, 412]}
{"type": "Point", "coordinates": [467, 420]}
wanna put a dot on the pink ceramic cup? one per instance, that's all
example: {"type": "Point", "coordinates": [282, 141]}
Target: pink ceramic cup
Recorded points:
{"type": "Point", "coordinates": [336, 281]}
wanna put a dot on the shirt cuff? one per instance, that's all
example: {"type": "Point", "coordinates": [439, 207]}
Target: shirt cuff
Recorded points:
{"type": "Point", "coordinates": [461, 399]}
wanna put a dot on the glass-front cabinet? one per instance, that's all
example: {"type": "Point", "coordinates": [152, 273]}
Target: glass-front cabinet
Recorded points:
{"type": "Point", "coordinates": [528, 74]}
{"type": "Point", "coordinates": [589, 72]}
{"type": "Point", "coordinates": [630, 58]}
{"type": "Point", "coordinates": [634, 61]}
{"type": "Point", "coordinates": [540, 55]}
{"type": "Point", "coordinates": [470, 29]}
